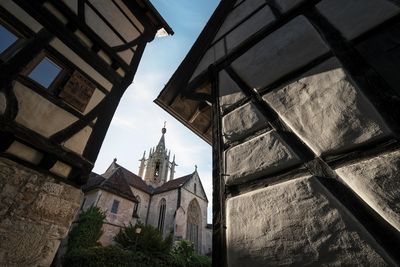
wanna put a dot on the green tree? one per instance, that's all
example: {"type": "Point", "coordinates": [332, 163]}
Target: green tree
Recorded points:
{"type": "Point", "coordinates": [148, 241]}
{"type": "Point", "coordinates": [87, 232]}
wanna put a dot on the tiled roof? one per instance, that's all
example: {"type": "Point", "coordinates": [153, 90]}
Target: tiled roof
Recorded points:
{"type": "Point", "coordinates": [114, 183]}
{"type": "Point", "coordinates": [132, 179]}
{"type": "Point", "coordinates": [173, 184]}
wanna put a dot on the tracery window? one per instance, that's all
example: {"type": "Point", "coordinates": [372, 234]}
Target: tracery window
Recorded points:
{"type": "Point", "coordinates": [193, 223]}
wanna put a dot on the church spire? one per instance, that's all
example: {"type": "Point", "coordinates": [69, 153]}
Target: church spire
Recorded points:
{"type": "Point", "coordinates": [161, 143]}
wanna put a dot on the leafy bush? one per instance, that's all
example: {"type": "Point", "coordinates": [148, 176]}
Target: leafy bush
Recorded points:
{"type": "Point", "coordinates": [88, 229]}
{"type": "Point", "coordinates": [184, 255]}
{"type": "Point", "coordinates": [111, 256]}
{"type": "Point", "coordinates": [149, 241]}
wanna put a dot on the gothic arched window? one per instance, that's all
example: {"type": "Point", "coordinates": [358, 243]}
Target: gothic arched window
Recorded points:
{"type": "Point", "coordinates": [136, 207]}
{"type": "Point", "coordinates": [157, 169]}
{"type": "Point", "coordinates": [161, 215]}
{"type": "Point", "coordinates": [194, 223]}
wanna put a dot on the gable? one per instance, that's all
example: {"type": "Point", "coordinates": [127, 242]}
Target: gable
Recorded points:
{"type": "Point", "coordinates": [190, 186]}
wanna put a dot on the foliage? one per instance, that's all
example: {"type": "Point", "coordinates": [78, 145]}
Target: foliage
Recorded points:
{"type": "Point", "coordinates": [111, 256]}
{"type": "Point", "coordinates": [87, 231]}
{"type": "Point", "coordinates": [184, 255]}
{"type": "Point", "coordinates": [149, 241]}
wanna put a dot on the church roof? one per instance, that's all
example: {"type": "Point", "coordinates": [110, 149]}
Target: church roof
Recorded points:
{"type": "Point", "coordinates": [114, 182]}
{"type": "Point", "coordinates": [135, 181]}
{"type": "Point", "coordinates": [173, 184]}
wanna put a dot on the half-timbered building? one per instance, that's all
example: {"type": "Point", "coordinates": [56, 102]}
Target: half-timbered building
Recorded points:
{"type": "Point", "coordinates": [64, 65]}
{"type": "Point", "coordinates": [300, 101]}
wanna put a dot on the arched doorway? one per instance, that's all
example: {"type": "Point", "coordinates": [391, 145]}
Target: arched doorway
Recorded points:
{"type": "Point", "coordinates": [193, 230]}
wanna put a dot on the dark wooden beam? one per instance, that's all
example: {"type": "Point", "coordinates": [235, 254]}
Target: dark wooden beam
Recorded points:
{"type": "Point", "coordinates": [81, 10]}
{"type": "Point", "coordinates": [104, 119]}
{"type": "Point", "coordinates": [66, 36]}
{"type": "Point", "coordinates": [219, 251]}
{"type": "Point", "coordinates": [40, 143]}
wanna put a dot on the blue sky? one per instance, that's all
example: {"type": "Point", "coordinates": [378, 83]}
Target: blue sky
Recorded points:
{"type": "Point", "coordinates": [137, 123]}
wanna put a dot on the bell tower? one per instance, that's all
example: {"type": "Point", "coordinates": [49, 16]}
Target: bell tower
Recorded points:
{"type": "Point", "coordinates": [156, 168]}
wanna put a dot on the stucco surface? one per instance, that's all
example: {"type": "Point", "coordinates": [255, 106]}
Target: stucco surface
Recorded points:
{"type": "Point", "coordinates": [297, 223]}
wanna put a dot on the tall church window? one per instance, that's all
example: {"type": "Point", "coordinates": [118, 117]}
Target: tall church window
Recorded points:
{"type": "Point", "coordinates": [115, 205]}
{"type": "Point", "coordinates": [136, 207]}
{"type": "Point", "coordinates": [161, 215]}
{"type": "Point", "coordinates": [194, 223]}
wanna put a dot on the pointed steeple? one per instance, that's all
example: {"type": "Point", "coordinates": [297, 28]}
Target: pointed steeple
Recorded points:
{"type": "Point", "coordinates": [161, 143]}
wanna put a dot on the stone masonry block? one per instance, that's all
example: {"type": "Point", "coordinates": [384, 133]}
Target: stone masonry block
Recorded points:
{"type": "Point", "coordinates": [229, 91]}
{"type": "Point", "coordinates": [237, 15]}
{"type": "Point", "coordinates": [327, 111]}
{"type": "Point", "coordinates": [286, 5]}
{"type": "Point", "coordinates": [297, 223]}
{"type": "Point", "coordinates": [377, 182]}
{"type": "Point", "coordinates": [288, 48]}
{"type": "Point", "coordinates": [261, 19]}
{"type": "Point", "coordinates": [259, 156]}
{"type": "Point", "coordinates": [242, 121]}
{"type": "Point", "coordinates": [354, 17]}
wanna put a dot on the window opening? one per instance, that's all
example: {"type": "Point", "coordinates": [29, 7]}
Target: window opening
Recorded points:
{"type": "Point", "coordinates": [45, 72]}
{"type": "Point", "coordinates": [7, 38]}
{"type": "Point", "coordinates": [114, 208]}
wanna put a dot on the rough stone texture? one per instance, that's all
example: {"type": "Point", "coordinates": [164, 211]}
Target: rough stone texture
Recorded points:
{"type": "Point", "coordinates": [286, 5]}
{"type": "Point", "coordinates": [360, 14]}
{"type": "Point", "coordinates": [229, 91]}
{"type": "Point", "coordinates": [35, 213]}
{"type": "Point", "coordinates": [259, 156]}
{"type": "Point", "coordinates": [288, 48]}
{"type": "Point", "coordinates": [242, 121]}
{"type": "Point", "coordinates": [3, 103]}
{"type": "Point", "coordinates": [327, 111]}
{"type": "Point", "coordinates": [297, 223]}
{"type": "Point", "coordinates": [262, 18]}
{"type": "Point", "coordinates": [377, 182]}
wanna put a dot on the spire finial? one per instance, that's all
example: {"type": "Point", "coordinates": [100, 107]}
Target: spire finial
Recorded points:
{"type": "Point", "coordinates": [195, 168]}
{"type": "Point", "coordinates": [115, 160]}
{"type": "Point", "coordinates": [164, 130]}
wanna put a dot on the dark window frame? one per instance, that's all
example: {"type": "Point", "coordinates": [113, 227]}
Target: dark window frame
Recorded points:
{"type": "Point", "coordinates": [115, 206]}
{"type": "Point", "coordinates": [15, 46]}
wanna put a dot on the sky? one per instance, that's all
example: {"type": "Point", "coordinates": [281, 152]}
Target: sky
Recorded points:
{"type": "Point", "coordinates": [137, 123]}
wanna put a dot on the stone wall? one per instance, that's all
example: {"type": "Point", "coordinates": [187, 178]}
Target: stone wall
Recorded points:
{"type": "Point", "coordinates": [36, 211]}
{"type": "Point", "coordinates": [171, 198]}
{"type": "Point", "coordinates": [309, 111]}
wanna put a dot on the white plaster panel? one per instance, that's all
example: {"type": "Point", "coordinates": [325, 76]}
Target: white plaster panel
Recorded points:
{"type": "Point", "coordinates": [38, 114]}
{"type": "Point", "coordinates": [25, 152]}
{"type": "Point", "coordinates": [94, 100]}
{"type": "Point", "coordinates": [126, 55]}
{"type": "Point", "coordinates": [229, 91]}
{"type": "Point", "coordinates": [78, 141]}
{"type": "Point", "coordinates": [377, 182]}
{"type": "Point", "coordinates": [327, 111]}
{"type": "Point", "coordinates": [259, 156]}
{"type": "Point", "coordinates": [130, 15]}
{"type": "Point", "coordinates": [286, 5]}
{"type": "Point", "coordinates": [79, 62]}
{"type": "Point", "coordinates": [114, 16]}
{"type": "Point", "coordinates": [101, 28]}
{"type": "Point", "coordinates": [352, 18]}
{"type": "Point", "coordinates": [297, 223]}
{"type": "Point", "coordinates": [18, 12]}
{"type": "Point", "coordinates": [3, 103]}
{"type": "Point", "coordinates": [242, 121]}
{"type": "Point", "coordinates": [259, 20]}
{"type": "Point", "coordinates": [237, 15]}
{"type": "Point", "coordinates": [290, 47]}
{"type": "Point", "coordinates": [61, 169]}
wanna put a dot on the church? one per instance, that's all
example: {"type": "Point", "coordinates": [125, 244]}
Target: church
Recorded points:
{"type": "Point", "coordinates": [176, 206]}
